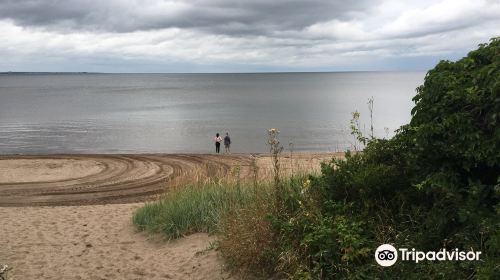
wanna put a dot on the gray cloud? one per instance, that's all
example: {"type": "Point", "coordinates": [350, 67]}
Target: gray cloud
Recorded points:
{"type": "Point", "coordinates": [220, 16]}
{"type": "Point", "coordinates": [225, 34]}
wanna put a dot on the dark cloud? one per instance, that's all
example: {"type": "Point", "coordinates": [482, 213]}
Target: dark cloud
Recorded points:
{"type": "Point", "coordinates": [219, 16]}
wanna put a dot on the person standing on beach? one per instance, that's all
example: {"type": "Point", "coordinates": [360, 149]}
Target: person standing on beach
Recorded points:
{"type": "Point", "coordinates": [227, 143]}
{"type": "Point", "coordinates": [218, 140]}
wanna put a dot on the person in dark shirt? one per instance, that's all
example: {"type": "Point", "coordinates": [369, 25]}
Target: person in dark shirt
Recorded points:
{"type": "Point", "coordinates": [227, 143]}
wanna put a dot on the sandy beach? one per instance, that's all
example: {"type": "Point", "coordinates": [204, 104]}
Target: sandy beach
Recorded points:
{"type": "Point", "coordinates": [100, 179]}
{"type": "Point", "coordinates": [97, 242]}
{"type": "Point", "coordinates": [69, 216]}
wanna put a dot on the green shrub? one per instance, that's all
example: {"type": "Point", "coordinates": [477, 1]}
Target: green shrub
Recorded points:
{"type": "Point", "coordinates": [434, 185]}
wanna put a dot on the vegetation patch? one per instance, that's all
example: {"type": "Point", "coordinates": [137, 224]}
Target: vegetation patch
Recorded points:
{"type": "Point", "coordinates": [197, 207]}
{"type": "Point", "coordinates": [434, 185]}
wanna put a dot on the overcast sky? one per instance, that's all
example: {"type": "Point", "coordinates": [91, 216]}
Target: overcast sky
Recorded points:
{"type": "Point", "coordinates": [240, 36]}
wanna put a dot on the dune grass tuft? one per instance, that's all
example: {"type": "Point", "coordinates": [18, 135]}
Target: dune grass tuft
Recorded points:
{"type": "Point", "coordinates": [197, 207]}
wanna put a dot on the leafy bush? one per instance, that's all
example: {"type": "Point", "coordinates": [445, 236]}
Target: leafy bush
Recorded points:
{"type": "Point", "coordinates": [434, 185]}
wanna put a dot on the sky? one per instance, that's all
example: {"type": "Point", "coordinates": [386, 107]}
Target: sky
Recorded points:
{"type": "Point", "coordinates": [181, 36]}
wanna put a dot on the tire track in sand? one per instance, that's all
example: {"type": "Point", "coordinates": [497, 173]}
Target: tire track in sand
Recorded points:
{"type": "Point", "coordinates": [51, 180]}
{"type": "Point", "coordinates": [119, 179]}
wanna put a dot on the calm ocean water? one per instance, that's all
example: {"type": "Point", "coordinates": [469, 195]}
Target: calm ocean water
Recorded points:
{"type": "Point", "coordinates": [168, 113]}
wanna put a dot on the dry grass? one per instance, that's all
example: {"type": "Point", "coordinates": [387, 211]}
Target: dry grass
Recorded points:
{"type": "Point", "coordinates": [247, 235]}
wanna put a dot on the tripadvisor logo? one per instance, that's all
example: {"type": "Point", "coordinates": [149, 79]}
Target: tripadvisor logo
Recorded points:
{"type": "Point", "coordinates": [387, 255]}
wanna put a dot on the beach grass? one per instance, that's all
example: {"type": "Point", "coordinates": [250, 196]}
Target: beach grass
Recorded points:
{"type": "Point", "coordinates": [203, 206]}
{"type": "Point", "coordinates": [196, 207]}
{"type": "Point", "coordinates": [239, 214]}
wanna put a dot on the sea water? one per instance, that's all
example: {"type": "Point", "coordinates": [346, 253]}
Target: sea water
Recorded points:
{"type": "Point", "coordinates": [180, 113]}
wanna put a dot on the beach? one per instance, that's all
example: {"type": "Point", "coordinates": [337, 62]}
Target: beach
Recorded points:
{"type": "Point", "coordinates": [97, 242]}
{"type": "Point", "coordinates": [69, 216]}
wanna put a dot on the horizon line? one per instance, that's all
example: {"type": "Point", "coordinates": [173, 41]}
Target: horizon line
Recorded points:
{"type": "Point", "coordinates": [262, 72]}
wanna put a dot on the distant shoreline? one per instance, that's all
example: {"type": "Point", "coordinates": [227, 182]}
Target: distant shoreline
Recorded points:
{"type": "Point", "coordinates": [202, 73]}
{"type": "Point", "coordinates": [46, 73]}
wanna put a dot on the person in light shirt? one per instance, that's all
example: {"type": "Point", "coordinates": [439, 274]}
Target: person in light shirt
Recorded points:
{"type": "Point", "coordinates": [217, 140]}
